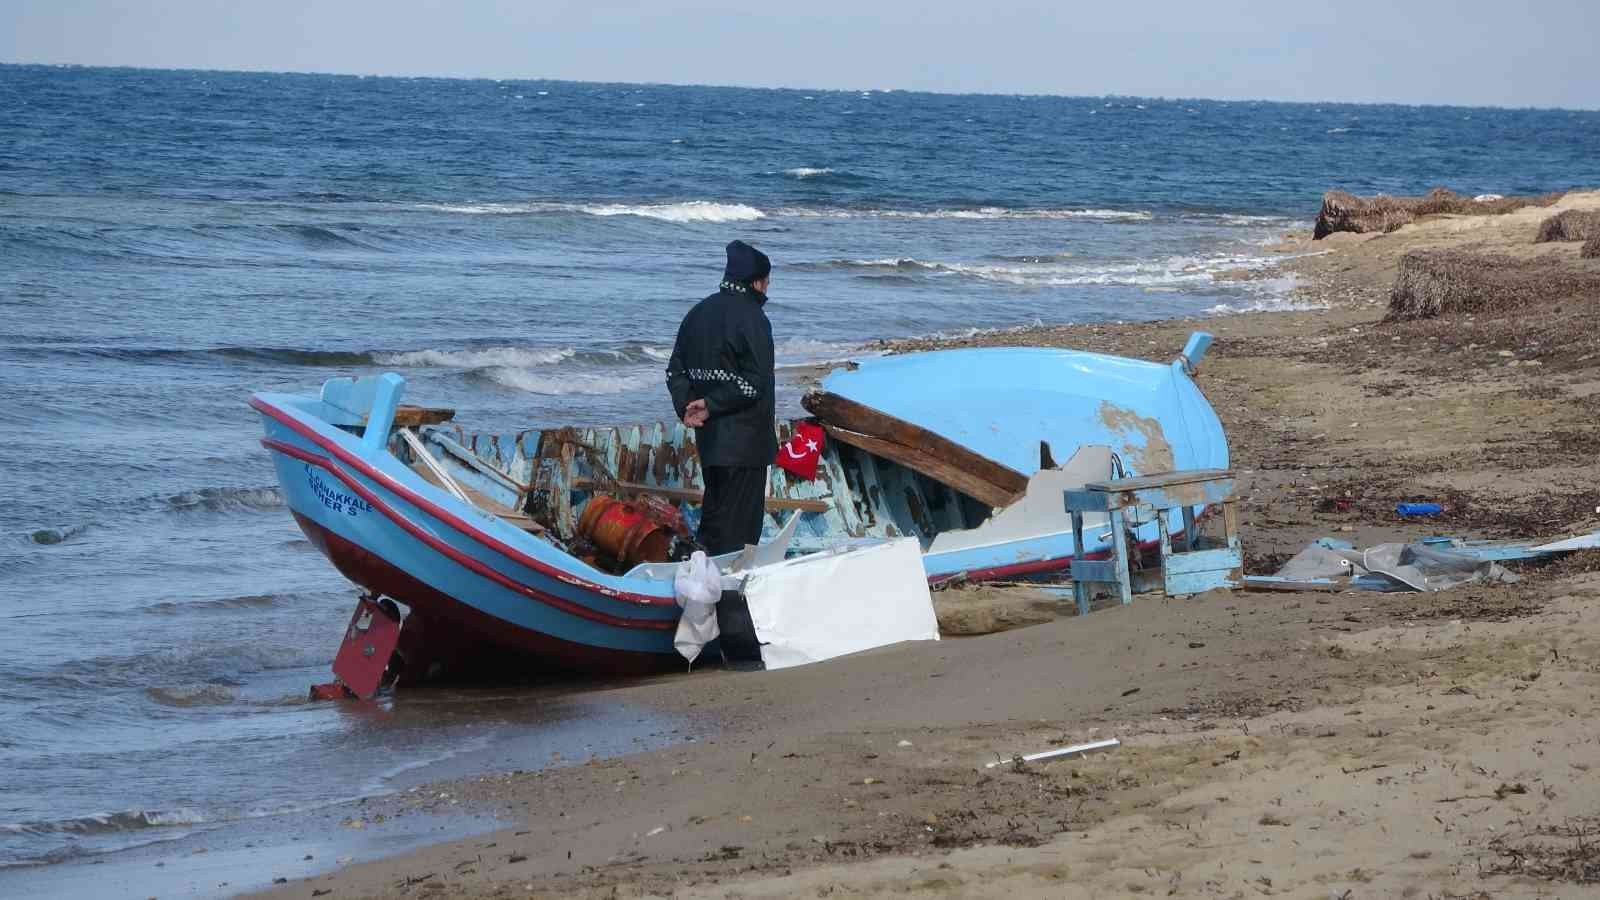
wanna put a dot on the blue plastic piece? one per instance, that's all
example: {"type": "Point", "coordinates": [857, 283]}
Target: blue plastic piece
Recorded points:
{"type": "Point", "coordinates": [1418, 509]}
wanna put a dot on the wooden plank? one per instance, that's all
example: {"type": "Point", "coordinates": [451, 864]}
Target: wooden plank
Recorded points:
{"type": "Point", "coordinates": [472, 459]}
{"type": "Point", "coordinates": [440, 476]}
{"type": "Point", "coordinates": [1200, 561]}
{"type": "Point", "coordinates": [1198, 493]}
{"type": "Point", "coordinates": [1095, 570]}
{"type": "Point", "coordinates": [1275, 583]}
{"type": "Point", "coordinates": [468, 495]}
{"type": "Point", "coordinates": [1087, 501]}
{"type": "Point", "coordinates": [693, 496]}
{"type": "Point", "coordinates": [1160, 479]}
{"type": "Point", "coordinates": [1191, 583]}
{"type": "Point", "coordinates": [939, 470]}
{"type": "Point", "coordinates": [929, 448]}
{"type": "Point", "coordinates": [406, 416]}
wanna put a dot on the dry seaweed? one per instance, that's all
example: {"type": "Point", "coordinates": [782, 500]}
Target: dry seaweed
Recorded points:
{"type": "Point", "coordinates": [1591, 248]}
{"type": "Point", "coordinates": [1567, 853]}
{"type": "Point", "coordinates": [1434, 282]}
{"type": "Point", "coordinates": [1343, 211]}
{"type": "Point", "coordinates": [1571, 225]}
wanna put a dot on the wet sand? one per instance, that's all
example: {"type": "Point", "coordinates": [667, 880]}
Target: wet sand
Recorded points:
{"type": "Point", "coordinates": [1299, 744]}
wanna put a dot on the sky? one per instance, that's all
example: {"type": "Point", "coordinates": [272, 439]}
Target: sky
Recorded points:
{"type": "Point", "coordinates": [1467, 52]}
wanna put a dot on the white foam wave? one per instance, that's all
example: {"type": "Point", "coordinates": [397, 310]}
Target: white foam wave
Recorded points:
{"type": "Point", "coordinates": [710, 211]}
{"type": "Point", "coordinates": [567, 383]}
{"type": "Point", "coordinates": [687, 211]}
{"type": "Point", "coordinates": [1173, 271]}
{"type": "Point", "coordinates": [691, 211]}
{"type": "Point", "coordinates": [982, 212]}
{"type": "Point", "coordinates": [1270, 295]}
{"type": "Point", "coordinates": [795, 352]}
{"type": "Point", "coordinates": [807, 172]}
{"type": "Point", "coordinates": [473, 359]}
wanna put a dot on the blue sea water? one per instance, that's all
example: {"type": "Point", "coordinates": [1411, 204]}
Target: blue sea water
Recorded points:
{"type": "Point", "coordinates": [171, 241]}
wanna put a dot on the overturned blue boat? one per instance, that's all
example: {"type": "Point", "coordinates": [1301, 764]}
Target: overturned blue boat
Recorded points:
{"type": "Point", "coordinates": [509, 551]}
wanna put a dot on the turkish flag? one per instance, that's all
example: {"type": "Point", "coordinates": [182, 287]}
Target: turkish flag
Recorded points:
{"type": "Point", "coordinates": [803, 451]}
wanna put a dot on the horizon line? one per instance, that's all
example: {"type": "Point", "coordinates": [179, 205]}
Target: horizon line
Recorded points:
{"type": "Point", "coordinates": [820, 90]}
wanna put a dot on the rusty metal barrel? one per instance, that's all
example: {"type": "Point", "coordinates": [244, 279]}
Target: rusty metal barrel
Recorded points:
{"type": "Point", "coordinates": [625, 531]}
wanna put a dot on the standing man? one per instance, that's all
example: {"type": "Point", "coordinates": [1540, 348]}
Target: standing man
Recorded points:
{"type": "Point", "coordinates": [722, 385]}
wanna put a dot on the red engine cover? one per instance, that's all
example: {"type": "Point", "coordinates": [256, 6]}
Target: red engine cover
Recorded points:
{"type": "Point", "coordinates": [368, 642]}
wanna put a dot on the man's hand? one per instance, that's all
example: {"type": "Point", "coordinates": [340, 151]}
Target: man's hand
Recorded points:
{"type": "Point", "coordinates": [696, 414]}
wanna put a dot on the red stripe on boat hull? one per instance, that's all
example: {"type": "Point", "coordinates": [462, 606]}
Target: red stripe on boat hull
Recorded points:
{"type": "Point", "coordinates": [456, 556]}
{"type": "Point", "coordinates": [455, 632]}
{"type": "Point", "coordinates": [367, 469]}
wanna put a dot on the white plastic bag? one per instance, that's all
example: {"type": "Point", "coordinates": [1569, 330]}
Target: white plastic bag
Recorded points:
{"type": "Point", "coordinates": [698, 587]}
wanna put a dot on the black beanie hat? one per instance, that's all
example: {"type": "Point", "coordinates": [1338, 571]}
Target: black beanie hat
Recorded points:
{"type": "Point", "coordinates": [746, 264]}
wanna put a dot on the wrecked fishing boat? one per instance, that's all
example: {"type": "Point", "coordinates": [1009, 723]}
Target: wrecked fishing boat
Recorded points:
{"type": "Point", "coordinates": [551, 549]}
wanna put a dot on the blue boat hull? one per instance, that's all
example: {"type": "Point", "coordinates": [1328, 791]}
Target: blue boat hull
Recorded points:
{"type": "Point", "coordinates": [472, 580]}
{"type": "Point", "coordinates": [481, 589]}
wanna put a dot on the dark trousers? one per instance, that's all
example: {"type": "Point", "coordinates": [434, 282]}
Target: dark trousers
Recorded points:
{"type": "Point", "coordinates": [734, 508]}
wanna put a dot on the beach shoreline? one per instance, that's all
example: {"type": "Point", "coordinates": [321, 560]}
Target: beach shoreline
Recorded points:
{"type": "Point", "coordinates": [1273, 743]}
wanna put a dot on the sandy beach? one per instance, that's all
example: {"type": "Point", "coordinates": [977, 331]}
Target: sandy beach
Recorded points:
{"type": "Point", "coordinates": [1296, 744]}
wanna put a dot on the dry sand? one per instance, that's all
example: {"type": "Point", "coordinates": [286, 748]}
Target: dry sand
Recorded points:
{"type": "Point", "coordinates": [1306, 745]}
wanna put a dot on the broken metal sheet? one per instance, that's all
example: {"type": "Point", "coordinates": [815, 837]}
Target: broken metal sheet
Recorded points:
{"type": "Point", "coordinates": [1419, 567]}
{"type": "Point", "coordinates": [1321, 559]}
{"type": "Point", "coordinates": [825, 605]}
{"type": "Point", "coordinates": [1583, 542]}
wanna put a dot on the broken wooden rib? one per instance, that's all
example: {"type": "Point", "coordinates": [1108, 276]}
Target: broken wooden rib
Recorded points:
{"type": "Point", "coordinates": [407, 416]}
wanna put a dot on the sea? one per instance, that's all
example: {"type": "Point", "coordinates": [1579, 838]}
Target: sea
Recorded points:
{"type": "Point", "coordinates": [171, 241]}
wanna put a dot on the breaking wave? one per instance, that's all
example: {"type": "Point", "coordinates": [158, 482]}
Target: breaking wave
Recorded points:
{"type": "Point", "coordinates": [108, 823]}
{"type": "Point", "coordinates": [269, 355]}
{"type": "Point", "coordinates": [682, 213]}
{"type": "Point", "coordinates": [522, 357]}
{"type": "Point", "coordinates": [472, 359]}
{"type": "Point", "coordinates": [226, 499]}
{"type": "Point", "coordinates": [246, 601]}
{"type": "Point", "coordinates": [203, 663]}
{"type": "Point", "coordinates": [807, 172]}
{"type": "Point", "coordinates": [712, 211]}
{"type": "Point", "coordinates": [188, 695]}
{"type": "Point", "coordinates": [567, 382]}
{"type": "Point", "coordinates": [1048, 272]}
{"type": "Point", "coordinates": [981, 212]}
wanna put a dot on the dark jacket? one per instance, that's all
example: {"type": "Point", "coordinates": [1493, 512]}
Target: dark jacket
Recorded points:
{"type": "Point", "coordinates": [723, 355]}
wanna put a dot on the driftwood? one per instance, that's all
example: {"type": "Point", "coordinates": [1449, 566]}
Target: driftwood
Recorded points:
{"type": "Point", "coordinates": [690, 495]}
{"type": "Point", "coordinates": [416, 416]}
{"type": "Point", "coordinates": [917, 449]}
